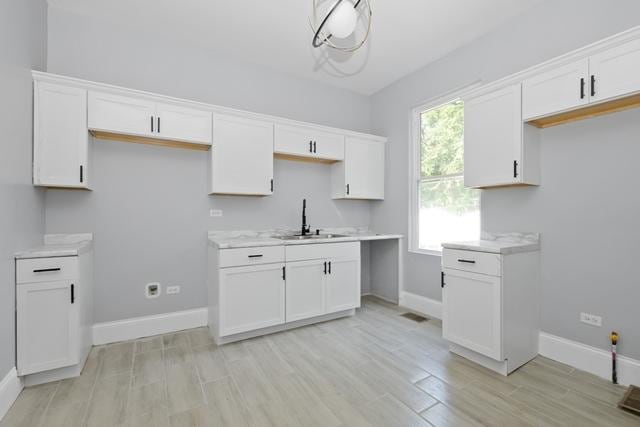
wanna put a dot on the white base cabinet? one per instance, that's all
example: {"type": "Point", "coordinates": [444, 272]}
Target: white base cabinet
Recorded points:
{"type": "Point", "coordinates": [253, 290]}
{"type": "Point", "coordinates": [490, 306]}
{"type": "Point", "coordinates": [54, 304]}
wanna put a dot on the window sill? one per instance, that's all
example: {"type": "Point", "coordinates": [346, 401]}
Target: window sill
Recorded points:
{"type": "Point", "coordinates": [431, 252]}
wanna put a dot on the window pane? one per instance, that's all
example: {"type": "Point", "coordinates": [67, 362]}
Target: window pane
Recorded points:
{"type": "Point", "coordinates": [448, 212]}
{"type": "Point", "coordinates": [441, 146]}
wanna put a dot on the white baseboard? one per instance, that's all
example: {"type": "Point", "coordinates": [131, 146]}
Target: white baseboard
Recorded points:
{"type": "Point", "coordinates": [587, 358]}
{"type": "Point", "coordinates": [423, 305]}
{"type": "Point", "coordinates": [10, 387]}
{"type": "Point", "coordinates": [146, 326]}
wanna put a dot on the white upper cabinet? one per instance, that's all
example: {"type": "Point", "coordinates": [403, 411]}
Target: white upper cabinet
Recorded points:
{"type": "Point", "coordinates": [60, 137]}
{"type": "Point", "coordinates": [361, 174]}
{"type": "Point", "coordinates": [495, 150]}
{"type": "Point", "coordinates": [241, 156]}
{"type": "Point", "coordinates": [616, 71]}
{"type": "Point", "coordinates": [141, 117]}
{"type": "Point", "coordinates": [560, 89]}
{"type": "Point", "coordinates": [308, 143]}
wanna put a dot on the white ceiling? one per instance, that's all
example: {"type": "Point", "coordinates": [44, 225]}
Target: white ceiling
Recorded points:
{"type": "Point", "coordinates": [406, 34]}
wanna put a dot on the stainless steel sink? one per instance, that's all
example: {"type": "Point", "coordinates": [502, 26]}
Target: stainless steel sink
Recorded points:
{"type": "Point", "coordinates": [311, 236]}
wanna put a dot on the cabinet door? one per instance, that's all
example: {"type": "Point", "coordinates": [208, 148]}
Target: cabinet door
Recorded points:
{"type": "Point", "coordinates": [305, 290]}
{"type": "Point", "coordinates": [47, 326]}
{"type": "Point", "coordinates": [241, 156]}
{"type": "Point", "coordinates": [121, 114]}
{"type": "Point", "coordinates": [472, 312]}
{"type": "Point", "coordinates": [560, 89]}
{"type": "Point", "coordinates": [493, 138]}
{"type": "Point", "coordinates": [251, 298]}
{"type": "Point", "coordinates": [183, 124]}
{"type": "Point", "coordinates": [615, 71]}
{"type": "Point", "coordinates": [60, 136]}
{"type": "Point", "coordinates": [342, 285]}
{"type": "Point", "coordinates": [308, 142]}
{"type": "Point", "coordinates": [364, 169]}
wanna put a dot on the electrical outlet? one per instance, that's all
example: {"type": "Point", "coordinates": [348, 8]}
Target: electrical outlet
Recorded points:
{"type": "Point", "coordinates": [215, 213]}
{"type": "Point", "coordinates": [173, 290]}
{"type": "Point", "coordinates": [152, 290]}
{"type": "Point", "coordinates": [591, 319]}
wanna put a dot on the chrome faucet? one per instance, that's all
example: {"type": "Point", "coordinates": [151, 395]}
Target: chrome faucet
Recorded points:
{"type": "Point", "coordinates": [305, 228]}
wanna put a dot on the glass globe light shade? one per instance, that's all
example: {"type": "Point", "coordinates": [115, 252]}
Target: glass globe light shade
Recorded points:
{"type": "Point", "coordinates": [342, 22]}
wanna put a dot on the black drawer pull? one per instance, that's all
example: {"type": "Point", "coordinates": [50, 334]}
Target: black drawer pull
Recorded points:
{"type": "Point", "coordinates": [256, 256]}
{"type": "Point", "coordinates": [467, 261]}
{"type": "Point", "coordinates": [44, 270]}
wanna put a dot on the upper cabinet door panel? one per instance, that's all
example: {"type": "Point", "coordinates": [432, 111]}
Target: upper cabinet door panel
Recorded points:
{"type": "Point", "coordinates": [560, 89]}
{"type": "Point", "coordinates": [364, 168]}
{"type": "Point", "coordinates": [60, 136]}
{"type": "Point", "coordinates": [308, 142]}
{"type": "Point", "coordinates": [183, 124]}
{"type": "Point", "coordinates": [241, 156]}
{"type": "Point", "coordinates": [493, 138]}
{"type": "Point", "coordinates": [121, 114]}
{"type": "Point", "coordinates": [616, 71]}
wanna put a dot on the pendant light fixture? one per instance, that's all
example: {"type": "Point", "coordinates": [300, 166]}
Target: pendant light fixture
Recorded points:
{"type": "Point", "coordinates": [340, 22]}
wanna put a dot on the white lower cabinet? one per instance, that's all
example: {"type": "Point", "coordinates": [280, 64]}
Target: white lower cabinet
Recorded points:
{"type": "Point", "coordinates": [251, 297]}
{"type": "Point", "coordinates": [54, 306]}
{"type": "Point", "coordinates": [253, 291]}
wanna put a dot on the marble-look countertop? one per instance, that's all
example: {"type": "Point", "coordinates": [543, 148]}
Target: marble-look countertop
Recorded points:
{"type": "Point", "coordinates": [499, 243]}
{"type": "Point", "coordinates": [58, 245]}
{"type": "Point", "coordinates": [248, 238]}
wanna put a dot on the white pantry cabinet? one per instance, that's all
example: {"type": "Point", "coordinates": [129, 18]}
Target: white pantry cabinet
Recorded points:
{"type": "Point", "coordinates": [142, 117]}
{"type": "Point", "coordinates": [498, 149]}
{"type": "Point", "coordinates": [241, 156]}
{"type": "Point", "coordinates": [306, 142]}
{"type": "Point", "coordinates": [54, 304]}
{"type": "Point", "coordinates": [490, 306]}
{"type": "Point", "coordinates": [61, 148]}
{"type": "Point", "coordinates": [361, 174]}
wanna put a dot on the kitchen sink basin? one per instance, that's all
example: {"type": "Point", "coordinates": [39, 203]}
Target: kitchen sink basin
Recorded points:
{"type": "Point", "coordinates": [311, 236]}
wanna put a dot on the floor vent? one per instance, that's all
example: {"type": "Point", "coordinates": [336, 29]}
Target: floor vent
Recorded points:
{"type": "Point", "coordinates": [631, 399]}
{"type": "Point", "coordinates": [414, 317]}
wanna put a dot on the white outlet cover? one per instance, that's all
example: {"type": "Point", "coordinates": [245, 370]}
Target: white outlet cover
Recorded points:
{"type": "Point", "coordinates": [591, 319]}
{"type": "Point", "coordinates": [215, 213]}
{"type": "Point", "coordinates": [173, 290]}
{"type": "Point", "coordinates": [147, 290]}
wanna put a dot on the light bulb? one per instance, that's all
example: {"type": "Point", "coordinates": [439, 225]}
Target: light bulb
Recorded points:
{"type": "Point", "coordinates": [342, 22]}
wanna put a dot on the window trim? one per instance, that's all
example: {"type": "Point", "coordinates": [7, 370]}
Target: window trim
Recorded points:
{"type": "Point", "coordinates": [414, 162]}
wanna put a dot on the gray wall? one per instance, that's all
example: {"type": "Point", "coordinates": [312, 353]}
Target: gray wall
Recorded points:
{"type": "Point", "coordinates": [583, 217]}
{"type": "Point", "coordinates": [149, 208]}
{"type": "Point", "coordinates": [22, 43]}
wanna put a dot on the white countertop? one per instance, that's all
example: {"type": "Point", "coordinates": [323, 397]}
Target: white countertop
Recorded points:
{"type": "Point", "coordinates": [58, 245]}
{"type": "Point", "coordinates": [248, 238]}
{"type": "Point", "coordinates": [499, 243]}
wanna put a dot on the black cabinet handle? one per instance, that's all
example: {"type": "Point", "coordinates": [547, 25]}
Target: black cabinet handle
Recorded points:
{"type": "Point", "coordinates": [325, 267]}
{"type": "Point", "coordinates": [347, 189]}
{"type": "Point", "coordinates": [151, 124]}
{"type": "Point", "coordinates": [256, 256]}
{"type": "Point", "coordinates": [442, 279]}
{"type": "Point", "coordinates": [329, 267]}
{"type": "Point", "coordinates": [467, 261]}
{"type": "Point", "coordinates": [44, 270]}
{"type": "Point", "coordinates": [314, 146]}
{"type": "Point", "coordinates": [73, 294]}
{"type": "Point", "coordinates": [284, 273]}
{"type": "Point", "coordinates": [81, 173]}
{"type": "Point", "coordinates": [593, 85]}
{"type": "Point", "coordinates": [311, 146]}
{"type": "Point", "coordinates": [515, 168]}
{"type": "Point", "coordinates": [582, 88]}
{"type": "Point", "coordinates": [158, 124]}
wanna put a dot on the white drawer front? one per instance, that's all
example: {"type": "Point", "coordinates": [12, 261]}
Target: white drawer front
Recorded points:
{"type": "Point", "coordinates": [251, 256]}
{"type": "Point", "coordinates": [347, 250]}
{"type": "Point", "coordinates": [476, 262]}
{"type": "Point", "coordinates": [46, 269]}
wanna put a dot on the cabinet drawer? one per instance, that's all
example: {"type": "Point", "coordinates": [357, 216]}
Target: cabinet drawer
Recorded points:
{"type": "Point", "coordinates": [348, 250]}
{"type": "Point", "coordinates": [251, 256]}
{"type": "Point", "coordinates": [46, 269]}
{"type": "Point", "coordinates": [476, 262]}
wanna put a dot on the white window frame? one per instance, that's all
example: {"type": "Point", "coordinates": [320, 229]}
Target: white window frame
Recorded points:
{"type": "Point", "coordinates": [414, 163]}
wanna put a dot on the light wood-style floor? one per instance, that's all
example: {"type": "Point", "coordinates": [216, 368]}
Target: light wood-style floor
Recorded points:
{"type": "Point", "coordinates": [376, 368]}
